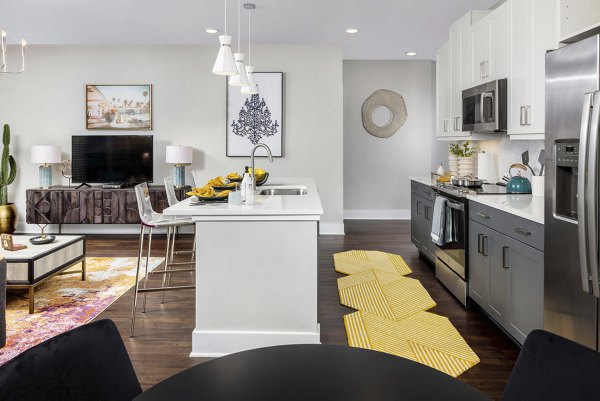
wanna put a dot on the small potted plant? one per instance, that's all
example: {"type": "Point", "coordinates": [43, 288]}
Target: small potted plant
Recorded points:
{"type": "Point", "coordinates": [8, 172]}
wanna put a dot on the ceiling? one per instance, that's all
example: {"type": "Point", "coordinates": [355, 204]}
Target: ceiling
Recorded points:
{"type": "Point", "coordinates": [388, 28]}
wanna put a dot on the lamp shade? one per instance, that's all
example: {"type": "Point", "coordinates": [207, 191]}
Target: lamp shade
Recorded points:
{"type": "Point", "coordinates": [225, 63]}
{"type": "Point", "coordinates": [45, 154]}
{"type": "Point", "coordinates": [241, 78]}
{"type": "Point", "coordinates": [179, 154]}
{"type": "Point", "coordinates": [251, 88]}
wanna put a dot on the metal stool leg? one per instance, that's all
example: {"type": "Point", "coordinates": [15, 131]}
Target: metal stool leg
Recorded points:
{"type": "Point", "coordinates": [146, 268]}
{"type": "Point", "coordinates": [167, 261]}
{"type": "Point", "coordinates": [137, 278]}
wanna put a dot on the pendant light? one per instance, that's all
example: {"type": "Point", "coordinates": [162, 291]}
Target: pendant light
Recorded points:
{"type": "Point", "coordinates": [241, 78]}
{"type": "Point", "coordinates": [251, 88]}
{"type": "Point", "coordinates": [225, 63]}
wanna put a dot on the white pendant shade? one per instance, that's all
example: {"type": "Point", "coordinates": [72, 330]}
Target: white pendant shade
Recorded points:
{"type": "Point", "coordinates": [45, 154]}
{"type": "Point", "coordinates": [179, 154]}
{"type": "Point", "coordinates": [241, 78]}
{"type": "Point", "coordinates": [251, 88]}
{"type": "Point", "coordinates": [225, 63]}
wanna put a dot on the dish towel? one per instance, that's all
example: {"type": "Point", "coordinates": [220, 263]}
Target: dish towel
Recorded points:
{"type": "Point", "coordinates": [439, 219]}
{"type": "Point", "coordinates": [450, 229]}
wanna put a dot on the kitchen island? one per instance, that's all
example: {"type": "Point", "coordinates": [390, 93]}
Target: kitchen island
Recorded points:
{"type": "Point", "coordinates": [256, 269]}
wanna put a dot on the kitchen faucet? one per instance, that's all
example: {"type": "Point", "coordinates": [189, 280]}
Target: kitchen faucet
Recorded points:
{"type": "Point", "coordinates": [260, 145]}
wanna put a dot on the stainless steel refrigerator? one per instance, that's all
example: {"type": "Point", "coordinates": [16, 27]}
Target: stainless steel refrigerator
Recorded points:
{"type": "Point", "coordinates": [571, 276]}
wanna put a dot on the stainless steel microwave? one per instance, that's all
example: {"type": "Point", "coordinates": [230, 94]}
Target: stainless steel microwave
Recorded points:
{"type": "Point", "coordinates": [484, 107]}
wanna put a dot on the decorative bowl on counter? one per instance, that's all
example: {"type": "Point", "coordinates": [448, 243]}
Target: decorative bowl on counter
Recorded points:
{"type": "Point", "coordinates": [262, 180]}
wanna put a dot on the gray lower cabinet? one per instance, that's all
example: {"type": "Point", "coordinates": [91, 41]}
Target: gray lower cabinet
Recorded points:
{"type": "Point", "coordinates": [506, 275]}
{"type": "Point", "coordinates": [421, 213]}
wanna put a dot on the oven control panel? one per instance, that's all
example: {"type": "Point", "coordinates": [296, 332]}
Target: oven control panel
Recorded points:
{"type": "Point", "coordinates": [567, 154]}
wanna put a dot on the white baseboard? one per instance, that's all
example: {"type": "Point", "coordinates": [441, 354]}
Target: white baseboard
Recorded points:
{"type": "Point", "coordinates": [331, 229]}
{"type": "Point", "coordinates": [219, 343]}
{"type": "Point", "coordinates": [389, 214]}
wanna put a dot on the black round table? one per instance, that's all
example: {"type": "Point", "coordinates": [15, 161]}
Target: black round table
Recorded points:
{"type": "Point", "coordinates": [310, 373]}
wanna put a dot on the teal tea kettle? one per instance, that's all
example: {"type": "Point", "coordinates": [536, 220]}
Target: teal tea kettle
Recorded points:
{"type": "Point", "coordinates": [517, 183]}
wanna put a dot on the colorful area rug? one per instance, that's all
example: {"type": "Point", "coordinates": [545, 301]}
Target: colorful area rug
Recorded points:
{"type": "Point", "coordinates": [392, 315]}
{"type": "Point", "coordinates": [64, 302]}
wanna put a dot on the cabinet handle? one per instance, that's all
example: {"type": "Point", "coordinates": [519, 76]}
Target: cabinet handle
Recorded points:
{"type": "Point", "coordinates": [446, 125]}
{"type": "Point", "coordinates": [522, 231]}
{"type": "Point", "coordinates": [481, 69]}
{"type": "Point", "coordinates": [418, 204]}
{"type": "Point", "coordinates": [479, 243]}
{"type": "Point", "coordinates": [427, 212]}
{"type": "Point", "coordinates": [505, 261]}
{"type": "Point", "coordinates": [522, 116]}
{"type": "Point", "coordinates": [486, 69]}
{"type": "Point", "coordinates": [483, 216]}
{"type": "Point", "coordinates": [427, 192]}
{"type": "Point", "coordinates": [527, 110]}
{"type": "Point", "coordinates": [458, 127]}
{"type": "Point", "coordinates": [484, 246]}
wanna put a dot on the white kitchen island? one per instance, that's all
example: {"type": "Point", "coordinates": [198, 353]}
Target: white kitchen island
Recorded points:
{"type": "Point", "coordinates": [256, 270]}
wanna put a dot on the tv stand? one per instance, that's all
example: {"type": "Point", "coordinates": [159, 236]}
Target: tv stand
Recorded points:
{"type": "Point", "coordinates": [83, 185]}
{"type": "Point", "coordinates": [95, 205]}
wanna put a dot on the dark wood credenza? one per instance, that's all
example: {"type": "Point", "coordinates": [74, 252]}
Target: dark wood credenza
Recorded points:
{"type": "Point", "coordinates": [95, 205]}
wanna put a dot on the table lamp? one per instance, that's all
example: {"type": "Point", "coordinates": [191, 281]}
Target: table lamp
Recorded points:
{"type": "Point", "coordinates": [179, 156]}
{"type": "Point", "coordinates": [45, 155]}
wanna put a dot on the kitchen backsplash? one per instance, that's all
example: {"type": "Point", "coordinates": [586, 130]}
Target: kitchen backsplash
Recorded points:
{"type": "Point", "coordinates": [508, 152]}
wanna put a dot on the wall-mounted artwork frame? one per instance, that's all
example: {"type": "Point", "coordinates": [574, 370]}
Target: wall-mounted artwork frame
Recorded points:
{"type": "Point", "coordinates": [118, 107]}
{"type": "Point", "coordinates": [253, 119]}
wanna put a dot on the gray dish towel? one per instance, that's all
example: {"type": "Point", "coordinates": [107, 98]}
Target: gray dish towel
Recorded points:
{"type": "Point", "coordinates": [439, 220]}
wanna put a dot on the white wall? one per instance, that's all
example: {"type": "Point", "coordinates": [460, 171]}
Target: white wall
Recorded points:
{"type": "Point", "coordinates": [46, 105]}
{"type": "Point", "coordinates": [376, 170]}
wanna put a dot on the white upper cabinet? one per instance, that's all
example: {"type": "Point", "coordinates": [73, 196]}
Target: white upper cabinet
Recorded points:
{"type": "Point", "coordinates": [533, 33]}
{"type": "Point", "coordinates": [577, 17]}
{"type": "Point", "coordinates": [490, 46]}
{"type": "Point", "coordinates": [442, 88]}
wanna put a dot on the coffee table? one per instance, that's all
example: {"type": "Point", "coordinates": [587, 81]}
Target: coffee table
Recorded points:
{"type": "Point", "coordinates": [28, 268]}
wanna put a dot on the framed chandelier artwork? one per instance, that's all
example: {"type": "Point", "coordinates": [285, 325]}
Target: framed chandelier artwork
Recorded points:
{"type": "Point", "coordinates": [256, 118]}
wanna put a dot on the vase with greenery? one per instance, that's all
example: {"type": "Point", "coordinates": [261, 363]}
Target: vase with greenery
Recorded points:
{"type": "Point", "coordinates": [453, 154]}
{"type": "Point", "coordinates": [460, 158]}
{"type": "Point", "coordinates": [8, 173]}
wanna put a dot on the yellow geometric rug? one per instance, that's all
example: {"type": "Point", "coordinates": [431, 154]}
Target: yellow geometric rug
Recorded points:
{"type": "Point", "coordinates": [64, 302]}
{"type": "Point", "coordinates": [391, 313]}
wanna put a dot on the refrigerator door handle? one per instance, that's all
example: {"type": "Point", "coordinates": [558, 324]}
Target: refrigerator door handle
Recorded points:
{"type": "Point", "coordinates": [581, 191]}
{"type": "Point", "coordinates": [591, 196]}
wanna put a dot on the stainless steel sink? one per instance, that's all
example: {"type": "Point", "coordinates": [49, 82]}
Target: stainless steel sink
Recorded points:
{"type": "Point", "coordinates": [284, 191]}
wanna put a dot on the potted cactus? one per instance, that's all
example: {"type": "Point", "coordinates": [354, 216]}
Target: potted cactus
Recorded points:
{"type": "Point", "coordinates": [8, 172]}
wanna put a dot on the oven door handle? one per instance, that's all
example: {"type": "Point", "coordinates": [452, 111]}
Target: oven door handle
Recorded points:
{"type": "Point", "coordinates": [456, 206]}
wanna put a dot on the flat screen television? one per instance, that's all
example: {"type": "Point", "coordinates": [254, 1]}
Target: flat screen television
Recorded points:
{"type": "Point", "coordinates": [121, 159]}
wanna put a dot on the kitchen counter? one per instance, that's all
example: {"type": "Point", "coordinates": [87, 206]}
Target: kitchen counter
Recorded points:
{"type": "Point", "coordinates": [422, 179]}
{"type": "Point", "coordinates": [526, 206]}
{"type": "Point", "coordinates": [256, 270]}
{"type": "Point", "coordinates": [274, 207]}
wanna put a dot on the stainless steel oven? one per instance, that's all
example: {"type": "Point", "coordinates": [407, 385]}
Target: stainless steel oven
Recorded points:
{"type": "Point", "coordinates": [451, 264]}
{"type": "Point", "coordinates": [484, 107]}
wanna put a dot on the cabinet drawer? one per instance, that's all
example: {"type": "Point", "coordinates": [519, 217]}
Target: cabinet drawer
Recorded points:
{"type": "Point", "coordinates": [526, 231]}
{"type": "Point", "coordinates": [488, 216]}
{"type": "Point", "coordinates": [422, 190]}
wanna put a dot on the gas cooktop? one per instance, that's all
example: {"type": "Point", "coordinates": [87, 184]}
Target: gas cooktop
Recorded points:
{"type": "Point", "coordinates": [485, 189]}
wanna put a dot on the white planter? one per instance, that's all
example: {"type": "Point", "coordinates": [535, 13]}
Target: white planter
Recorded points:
{"type": "Point", "coordinates": [452, 164]}
{"type": "Point", "coordinates": [465, 166]}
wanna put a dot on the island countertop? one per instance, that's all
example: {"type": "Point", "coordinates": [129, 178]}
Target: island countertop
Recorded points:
{"type": "Point", "coordinates": [266, 207]}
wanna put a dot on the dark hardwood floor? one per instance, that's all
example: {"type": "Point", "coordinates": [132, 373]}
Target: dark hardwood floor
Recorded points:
{"type": "Point", "coordinates": [163, 334]}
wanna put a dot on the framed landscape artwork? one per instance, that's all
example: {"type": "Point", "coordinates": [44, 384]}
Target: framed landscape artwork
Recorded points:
{"type": "Point", "coordinates": [253, 119]}
{"type": "Point", "coordinates": [118, 107]}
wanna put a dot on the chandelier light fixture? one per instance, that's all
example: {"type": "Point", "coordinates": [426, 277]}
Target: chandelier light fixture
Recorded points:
{"type": "Point", "coordinates": [241, 78]}
{"type": "Point", "coordinates": [225, 63]}
{"type": "Point", "coordinates": [3, 68]}
{"type": "Point", "coordinates": [251, 88]}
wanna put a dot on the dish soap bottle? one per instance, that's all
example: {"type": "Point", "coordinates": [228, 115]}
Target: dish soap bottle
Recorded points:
{"type": "Point", "coordinates": [440, 170]}
{"type": "Point", "coordinates": [246, 187]}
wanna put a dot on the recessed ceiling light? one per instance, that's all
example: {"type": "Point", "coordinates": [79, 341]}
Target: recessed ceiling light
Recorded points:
{"type": "Point", "coordinates": [211, 30]}
{"type": "Point", "coordinates": [351, 30]}
{"type": "Point", "coordinates": [411, 53]}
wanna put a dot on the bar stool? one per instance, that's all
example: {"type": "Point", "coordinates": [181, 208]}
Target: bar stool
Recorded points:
{"type": "Point", "coordinates": [172, 200]}
{"type": "Point", "coordinates": [149, 219]}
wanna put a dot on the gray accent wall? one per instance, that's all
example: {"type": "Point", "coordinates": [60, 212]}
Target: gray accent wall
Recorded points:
{"type": "Point", "coordinates": [376, 170]}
